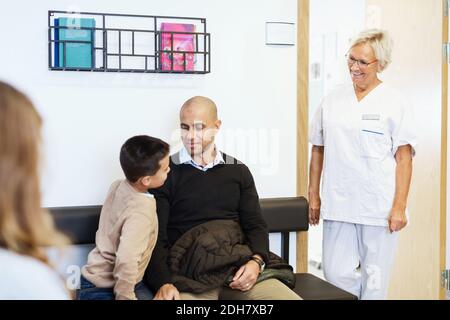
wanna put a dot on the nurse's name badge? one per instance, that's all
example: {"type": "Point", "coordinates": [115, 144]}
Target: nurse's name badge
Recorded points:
{"type": "Point", "coordinates": [371, 117]}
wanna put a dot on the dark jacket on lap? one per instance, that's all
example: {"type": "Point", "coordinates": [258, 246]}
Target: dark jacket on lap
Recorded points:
{"type": "Point", "coordinates": [207, 257]}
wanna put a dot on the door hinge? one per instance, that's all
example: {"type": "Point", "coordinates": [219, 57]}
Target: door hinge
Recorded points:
{"type": "Point", "coordinates": [445, 277]}
{"type": "Point", "coordinates": [446, 50]}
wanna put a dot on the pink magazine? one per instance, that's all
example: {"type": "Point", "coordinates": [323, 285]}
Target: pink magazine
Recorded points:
{"type": "Point", "coordinates": [181, 42]}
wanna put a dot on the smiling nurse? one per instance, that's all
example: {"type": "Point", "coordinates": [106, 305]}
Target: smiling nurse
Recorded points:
{"type": "Point", "coordinates": [363, 141]}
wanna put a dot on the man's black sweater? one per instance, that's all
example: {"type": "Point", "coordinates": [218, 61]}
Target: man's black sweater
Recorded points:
{"type": "Point", "coordinates": [191, 197]}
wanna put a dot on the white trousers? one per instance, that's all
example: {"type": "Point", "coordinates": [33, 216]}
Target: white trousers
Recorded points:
{"type": "Point", "coordinates": [358, 258]}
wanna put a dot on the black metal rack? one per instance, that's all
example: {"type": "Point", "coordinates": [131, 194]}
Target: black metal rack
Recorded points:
{"type": "Point", "coordinates": [107, 38]}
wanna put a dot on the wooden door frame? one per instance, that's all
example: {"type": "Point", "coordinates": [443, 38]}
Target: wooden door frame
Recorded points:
{"type": "Point", "coordinates": [444, 129]}
{"type": "Point", "coordinates": [302, 121]}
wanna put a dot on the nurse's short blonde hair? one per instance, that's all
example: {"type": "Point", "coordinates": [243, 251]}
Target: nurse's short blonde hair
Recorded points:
{"type": "Point", "coordinates": [381, 43]}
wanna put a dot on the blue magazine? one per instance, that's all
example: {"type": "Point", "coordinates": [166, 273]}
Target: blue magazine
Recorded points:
{"type": "Point", "coordinates": [75, 55]}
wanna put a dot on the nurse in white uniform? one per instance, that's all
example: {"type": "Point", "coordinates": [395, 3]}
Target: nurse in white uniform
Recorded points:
{"type": "Point", "coordinates": [363, 142]}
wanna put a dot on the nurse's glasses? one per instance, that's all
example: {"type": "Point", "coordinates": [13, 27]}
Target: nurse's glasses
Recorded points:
{"type": "Point", "coordinates": [361, 63]}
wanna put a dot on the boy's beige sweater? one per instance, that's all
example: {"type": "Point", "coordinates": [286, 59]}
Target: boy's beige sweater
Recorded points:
{"type": "Point", "coordinates": [125, 239]}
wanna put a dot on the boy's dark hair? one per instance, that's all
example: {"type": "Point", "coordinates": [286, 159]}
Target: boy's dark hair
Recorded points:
{"type": "Point", "coordinates": [140, 156]}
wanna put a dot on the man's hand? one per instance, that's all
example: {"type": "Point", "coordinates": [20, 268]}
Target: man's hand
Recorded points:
{"type": "Point", "coordinates": [167, 292]}
{"type": "Point", "coordinates": [245, 278]}
{"type": "Point", "coordinates": [314, 208]}
{"type": "Point", "coordinates": [397, 220]}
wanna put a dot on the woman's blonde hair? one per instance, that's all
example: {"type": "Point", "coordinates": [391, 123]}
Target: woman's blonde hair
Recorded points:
{"type": "Point", "coordinates": [381, 43]}
{"type": "Point", "coordinates": [25, 227]}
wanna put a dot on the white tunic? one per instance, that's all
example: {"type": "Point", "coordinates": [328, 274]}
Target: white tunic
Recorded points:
{"type": "Point", "coordinates": [26, 278]}
{"type": "Point", "coordinates": [360, 140]}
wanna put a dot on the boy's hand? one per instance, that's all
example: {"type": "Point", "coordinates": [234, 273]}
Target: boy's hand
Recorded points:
{"type": "Point", "coordinates": [167, 292]}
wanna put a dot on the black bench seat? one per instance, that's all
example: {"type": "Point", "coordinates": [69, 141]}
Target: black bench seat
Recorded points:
{"type": "Point", "coordinates": [283, 215]}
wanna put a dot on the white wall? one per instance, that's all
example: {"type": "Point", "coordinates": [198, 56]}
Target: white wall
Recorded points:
{"type": "Point", "coordinates": [88, 116]}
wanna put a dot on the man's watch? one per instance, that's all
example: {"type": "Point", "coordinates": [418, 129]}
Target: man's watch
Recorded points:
{"type": "Point", "coordinates": [260, 262]}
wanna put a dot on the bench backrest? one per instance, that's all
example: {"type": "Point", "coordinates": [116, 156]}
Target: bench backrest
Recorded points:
{"type": "Point", "coordinates": [282, 215]}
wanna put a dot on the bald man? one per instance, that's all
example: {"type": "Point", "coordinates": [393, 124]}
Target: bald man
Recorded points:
{"type": "Point", "coordinates": [202, 187]}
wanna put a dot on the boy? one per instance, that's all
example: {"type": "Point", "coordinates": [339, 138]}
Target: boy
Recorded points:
{"type": "Point", "coordinates": [128, 225]}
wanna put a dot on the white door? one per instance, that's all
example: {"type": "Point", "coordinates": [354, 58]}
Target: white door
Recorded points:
{"type": "Point", "coordinates": [416, 71]}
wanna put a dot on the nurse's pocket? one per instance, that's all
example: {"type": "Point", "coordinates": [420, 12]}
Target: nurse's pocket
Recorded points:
{"type": "Point", "coordinates": [373, 141]}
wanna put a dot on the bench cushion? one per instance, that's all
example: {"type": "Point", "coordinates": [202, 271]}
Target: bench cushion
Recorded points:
{"type": "Point", "coordinates": [310, 287]}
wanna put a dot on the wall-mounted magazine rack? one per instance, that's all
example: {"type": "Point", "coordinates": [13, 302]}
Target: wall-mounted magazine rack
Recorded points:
{"type": "Point", "coordinates": [104, 42]}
